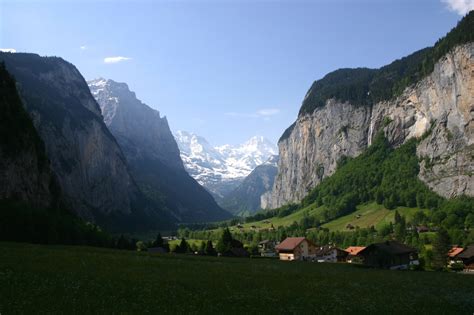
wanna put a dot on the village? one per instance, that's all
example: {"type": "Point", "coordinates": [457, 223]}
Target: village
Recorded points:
{"type": "Point", "coordinates": [390, 254]}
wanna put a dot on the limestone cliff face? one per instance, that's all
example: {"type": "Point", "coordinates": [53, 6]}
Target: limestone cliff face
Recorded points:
{"type": "Point", "coordinates": [440, 108]}
{"type": "Point", "coordinates": [88, 162]}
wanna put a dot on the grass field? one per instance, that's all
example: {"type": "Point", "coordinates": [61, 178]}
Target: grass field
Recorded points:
{"type": "Point", "coordinates": [370, 214]}
{"type": "Point", "coordinates": [59, 279]}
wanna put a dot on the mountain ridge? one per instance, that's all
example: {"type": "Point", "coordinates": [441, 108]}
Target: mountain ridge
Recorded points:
{"type": "Point", "coordinates": [153, 154]}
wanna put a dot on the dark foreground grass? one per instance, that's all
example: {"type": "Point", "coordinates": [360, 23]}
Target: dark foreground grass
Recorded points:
{"type": "Point", "coordinates": [59, 279]}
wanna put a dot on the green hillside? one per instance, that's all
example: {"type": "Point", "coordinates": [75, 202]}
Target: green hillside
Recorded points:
{"type": "Point", "coordinates": [370, 215]}
{"type": "Point", "coordinates": [83, 280]}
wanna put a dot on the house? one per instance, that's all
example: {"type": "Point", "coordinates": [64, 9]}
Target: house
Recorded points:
{"type": "Point", "coordinates": [422, 229]}
{"type": "Point", "coordinates": [353, 253]}
{"type": "Point", "coordinates": [390, 255]}
{"type": "Point", "coordinates": [453, 253]}
{"type": "Point", "coordinates": [330, 254]}
{"type": "Point", "coordinates": [467, 258]}
{"type": "Point", "coordinates": [296, 248]}
{"type": "Point", "coordinates": [267, 248]}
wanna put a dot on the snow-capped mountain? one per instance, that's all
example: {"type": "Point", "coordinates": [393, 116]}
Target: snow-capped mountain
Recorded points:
{"type": "Point", "coordinates": [222, 168]}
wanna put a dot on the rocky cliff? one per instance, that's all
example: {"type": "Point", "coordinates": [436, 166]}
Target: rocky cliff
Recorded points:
{"type": "Point", "coordinates": [152, 154]}
{"type": "Point", "coordinates": [438, 109]}
{"type": "Point", "coordinates": [25, 174]}
{"type": "Point", "coordinates": [88, 162]}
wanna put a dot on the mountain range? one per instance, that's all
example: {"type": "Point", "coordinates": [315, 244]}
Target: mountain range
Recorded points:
{"type": "Point", "coordinates": [220, 169]}
{"type": "Point", "coordinates": [399, 136]}
{"type": "Point", "coordinates": [152, 154]}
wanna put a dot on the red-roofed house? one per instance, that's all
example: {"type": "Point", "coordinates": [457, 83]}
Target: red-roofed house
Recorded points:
{"type": "Point", "coordinates": [353, 252]}
{"type": "Point", "coordinates": [452, 254]}
{"type": "Point", "coordinates": [296, 248]}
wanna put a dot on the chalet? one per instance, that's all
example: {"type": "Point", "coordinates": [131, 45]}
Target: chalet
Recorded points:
{"type": "Point", "coordinates": [353, 253]}
{"type": "Point", "coordinates": [422, 229]}
{"type": "Point", "coordinates": [330, 254]}
{"type": "Point", "coordinates": [390, 255]}
{"type": "Point", "coordinates": [296, 248]}
{"type": "Point", "coordinates": [467, 258]}
{"type": "Point", "coordinates": [267, 248]}
{"type": "Point", "coordinates": [453, 253]}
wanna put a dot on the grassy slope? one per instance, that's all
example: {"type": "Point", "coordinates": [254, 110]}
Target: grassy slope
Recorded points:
{"type": "Point", "coordinates": [371, 214]}
{"type": "Point", "coordinates": [37, 279]}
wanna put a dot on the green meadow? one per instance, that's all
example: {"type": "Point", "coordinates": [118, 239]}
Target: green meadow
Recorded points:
{"type": "Point", "coordinates": [65, 279]}
{"type": "Point", "coordinates": [366, 215]}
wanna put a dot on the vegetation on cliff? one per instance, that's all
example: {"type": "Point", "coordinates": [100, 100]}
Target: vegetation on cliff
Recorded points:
{"type": "Point", "coordinates": [363, 86]}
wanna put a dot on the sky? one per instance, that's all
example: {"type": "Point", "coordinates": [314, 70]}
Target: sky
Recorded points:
{"type": "Point", "coordinates": [230, 69]}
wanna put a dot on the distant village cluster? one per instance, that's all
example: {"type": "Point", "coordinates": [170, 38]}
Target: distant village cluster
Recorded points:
{"type": "Point", "coordinates": [389, 254]}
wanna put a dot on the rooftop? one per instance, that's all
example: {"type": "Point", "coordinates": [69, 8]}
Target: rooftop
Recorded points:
{"type": "Point", "coordinates": [290, 243]}
{"type": "Point", "coordinates": [453, 252]}
{"type": "Point", "coordinates": [354, 250]}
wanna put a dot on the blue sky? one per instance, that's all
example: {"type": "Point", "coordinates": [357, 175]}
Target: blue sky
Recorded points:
{"type": "Point", "coordinates": [226, 70]}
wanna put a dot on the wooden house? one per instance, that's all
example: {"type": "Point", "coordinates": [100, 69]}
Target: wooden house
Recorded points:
{"type": "Point", "coordinates": [453, 253]}
{"type": "Point", "coordinates": [390, 255]}
{"type": "Point", "coordinates": [467, 258]}
{"type": "Point", "coordinates": [353, 253]}
{"type": "Point", "coordinates": [330, 254]}
{"type": "Point", "coordinates": [267, 248]}
{"type": "Point", "coordinates": [296, 248]}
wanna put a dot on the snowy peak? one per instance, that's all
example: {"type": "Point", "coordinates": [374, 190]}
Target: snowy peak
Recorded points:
{"type": "Point", "coordinates": [213, 165]}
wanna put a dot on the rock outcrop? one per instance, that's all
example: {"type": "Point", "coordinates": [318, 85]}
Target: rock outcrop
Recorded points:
{"type": "Point", "coordinates": [152, 154]}
{"type": "Point", "coordinates": [439, 110]}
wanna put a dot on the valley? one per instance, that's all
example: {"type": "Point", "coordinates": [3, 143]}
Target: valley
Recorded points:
{"type": "Point", "coordinates": [365, 204]}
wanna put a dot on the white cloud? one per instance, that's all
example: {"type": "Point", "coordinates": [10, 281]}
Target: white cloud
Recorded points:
{"type": "Point", "coordinates": [461, 7]}
{"type": "Point", "coordinates": [115, 59]}
{"type": "Point", "coordinates": [83, 47]}
{"type": "Point", "coordinates": [10, 50]}
{"type": "Point", "coordinates": [264, 113]}
{"type": "Point", "coordinates": [268, 112]}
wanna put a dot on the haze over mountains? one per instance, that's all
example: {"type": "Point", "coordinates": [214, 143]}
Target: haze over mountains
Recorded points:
{"type": "Point", "coordinates": [222, 168]}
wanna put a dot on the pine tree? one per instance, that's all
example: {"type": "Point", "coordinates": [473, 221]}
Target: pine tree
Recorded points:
{"type": "Point", "coordinates": [183, 246]}
{"type": "Point", "coordinates": [210, 251]}
{"type": "Point", "coordinates": [224, 245]}
{"type": "Point", "coordinates": [158, 241]}
{"type": "Point", "coordinates": [440, 249]}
